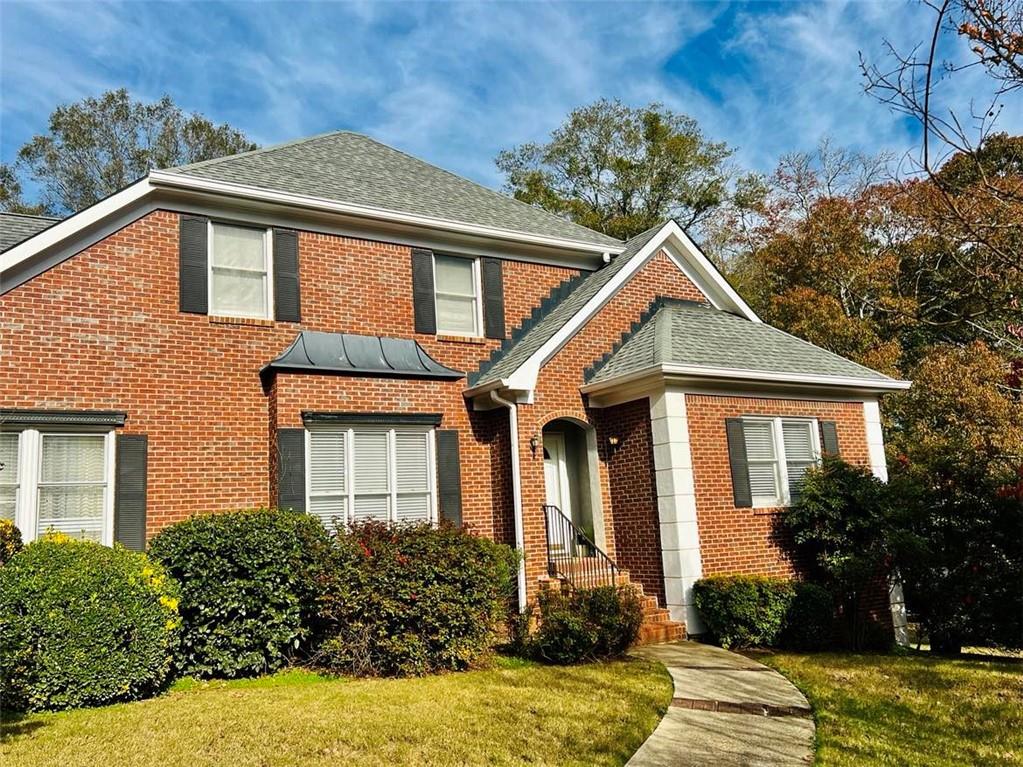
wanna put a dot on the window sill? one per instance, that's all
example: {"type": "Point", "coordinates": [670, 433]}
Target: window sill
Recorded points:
{"type": "Point", "coordinates": [471, 340]}
{"type": "Point", "coordinates": [251, 321]}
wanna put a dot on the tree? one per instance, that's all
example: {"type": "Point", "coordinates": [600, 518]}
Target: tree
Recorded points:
{"type": "Point", "coordinates": [621, 170]}
{"type": "Point", "coordinates": [98, 146]}
{"type": "Point", "coordinates": [11, 195]}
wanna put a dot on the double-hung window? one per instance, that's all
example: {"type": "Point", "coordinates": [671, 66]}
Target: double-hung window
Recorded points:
{"type": "Point", "coordinates": [457, 287]}
{"type": "Point", "coordinates": [370, 472]}
{"type": "Point", "coordinates": [58, 481]}
{"type": "Point", "coordinates": [778, 453]}
{"type": "Point", "coordinates": [239, 280]}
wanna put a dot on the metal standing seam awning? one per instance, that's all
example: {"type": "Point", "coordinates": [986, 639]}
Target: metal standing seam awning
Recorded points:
{"type": "Point", "coordinates": [319, 352]}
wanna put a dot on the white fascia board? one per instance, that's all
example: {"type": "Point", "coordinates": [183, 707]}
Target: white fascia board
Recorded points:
{"type": "Point", "coordinates": [689, 260]}
{"type": "Point", "coordinates": [181, 181]}
{"type": "Point", "coordinates": [75, 224]}
{"type": "Point", "coordinates": [703, 373]}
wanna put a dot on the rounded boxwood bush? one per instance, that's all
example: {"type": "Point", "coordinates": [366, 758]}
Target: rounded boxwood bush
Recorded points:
{"type": "Point", "coordinates": [10, 540]}
{"type": "Point", "coordinates": [83, 625]}
{"type": "Point", "coordinates": [249, 587]}
{"type": "Point", "coordinates": [406, 600]}
{"type": "Point", "coordinates": [574, 626]}
{"type": "Point", "coordinates": [743, 610]}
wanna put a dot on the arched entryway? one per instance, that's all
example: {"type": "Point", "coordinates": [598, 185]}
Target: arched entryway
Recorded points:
{"type": "Point", "coordinates": [571, 475]}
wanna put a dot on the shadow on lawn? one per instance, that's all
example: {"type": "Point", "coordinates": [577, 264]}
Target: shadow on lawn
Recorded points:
{"type": "Point", "coordinates": [14, 725]}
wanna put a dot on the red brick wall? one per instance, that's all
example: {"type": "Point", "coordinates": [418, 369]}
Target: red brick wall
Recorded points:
{"type": "Point", "coordinates": [750, 540]}
{"type": "Point", "coordinates": [102, 330]}
{"type": "Point", "coordinates": [633, 487]}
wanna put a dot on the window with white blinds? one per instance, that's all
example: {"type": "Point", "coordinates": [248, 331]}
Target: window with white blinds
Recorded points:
{"type": "Point", "coordinates": [370, 472]}
{"type": "Point", "coordinates": [457, 295]}
{"type": "Point", "coordinates": [239, 271]}
{"type": "Point", "coordinates": [58, 482]}
{"type": "Point", "coordinates": [778, 453]}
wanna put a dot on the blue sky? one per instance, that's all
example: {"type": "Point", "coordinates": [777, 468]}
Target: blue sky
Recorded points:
{"type": "Point", "coordinates": [455, 83]}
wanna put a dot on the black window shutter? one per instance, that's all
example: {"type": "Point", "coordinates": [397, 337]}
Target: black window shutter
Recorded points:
{"type": "Point", "coordinates": [829, 438]}
{"type": "Point", "coordinates": [737, 463]}
{"type": "Point", "coordinates": [449, 476]}
{"type": "Point", "coordinates": [493, 298]}
{"type": "Point", "coordinates": [130, 491]}
{"type": "Point", "coordinates": [286, 292]}
{"type": "Point", "coordinates": [422, 291]}
{"type": "Point", "coordinates": [291, 469]}
{"type": "Point", "coordinates": [192, 255]}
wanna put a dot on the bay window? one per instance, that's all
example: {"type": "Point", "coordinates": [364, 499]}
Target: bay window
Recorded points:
{"type": "Point", "coordinates": [778, 453]}
{"type": "Point", "coordinates": [370, 472]}
{"type": "Point", "coordinates": [58, 481]}
{"type": "Point", "coordinates": [239, 259]}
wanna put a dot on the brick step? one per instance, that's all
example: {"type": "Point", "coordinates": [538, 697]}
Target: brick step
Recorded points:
{"type": "Point", "coordinates": [660, 615]}
{"type": "Point", "coordinates": [659, 633]}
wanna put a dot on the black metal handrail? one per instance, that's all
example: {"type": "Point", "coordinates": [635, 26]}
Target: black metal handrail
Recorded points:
{"type": "Point", "coordinates": [571, 554]}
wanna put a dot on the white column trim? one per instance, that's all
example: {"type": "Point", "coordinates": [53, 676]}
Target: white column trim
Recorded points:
{"type": "Point", "coordinates": [676, 504]}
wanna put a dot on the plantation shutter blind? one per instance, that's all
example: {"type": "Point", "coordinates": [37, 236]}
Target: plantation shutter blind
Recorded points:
{"type": "Point", "coordinates": [72, 485]}
{"type": "Point", "coordinates": [328, 480]}
{"type": "Point", "coordinates": [8, 474]}
{"type": "Point", "coordinates": [371, 459]}
{"type": "Point", "coordinates": [412, 474]}
{"type": "Point", "coordinates": [130, 491]}
{"type": "Point", "coordinates": [799, 452]}
{"type": "Point", "coordinates": [761, 460]}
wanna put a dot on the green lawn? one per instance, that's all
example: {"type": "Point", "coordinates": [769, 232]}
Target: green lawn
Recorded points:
{"type": "Point", "coordinates": [514, 713]}
{"type": "Point", "coordinates": [910, 710]}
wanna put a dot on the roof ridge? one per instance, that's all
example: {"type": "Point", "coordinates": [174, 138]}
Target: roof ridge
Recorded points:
{"type": "Point", "coordinates": [257, 150]}
{"type": "Point", "coordinates": [477, 184]}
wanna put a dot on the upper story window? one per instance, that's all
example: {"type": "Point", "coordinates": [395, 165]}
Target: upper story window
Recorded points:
{"type": "Point", "coordinates": [457, 285]}
{"type": "Point", "coordinates": [778, 453]}
{"type": "Point", "coordinates": [60, 481]}
{"type": "Point", "coordinates": [240, 284]}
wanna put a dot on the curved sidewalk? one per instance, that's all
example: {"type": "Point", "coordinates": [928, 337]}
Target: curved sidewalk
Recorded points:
{"type": "Point", "coordinates": [727, 711]}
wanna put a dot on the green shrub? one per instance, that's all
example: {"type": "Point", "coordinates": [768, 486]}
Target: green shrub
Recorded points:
{"type": "Point", "coordinates": [583, 625]}
{"type": "Point", "coordinates": [83, 625]}
{"type": "Point", "coordinates": [743, 610]}
{"type": "Point", "coordinates": [10, 540]}
{"type": "Point", "coordinates": [250, 585]}
{"type": "Point", "coordinates": [810, 619]}
{"type": "Point", "coordinates": [412, 599]}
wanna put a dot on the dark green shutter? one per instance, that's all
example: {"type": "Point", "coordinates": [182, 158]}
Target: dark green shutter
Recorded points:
{"type": "Point", "coordinates": [192, 255]}
{"type": "Point", "coordinates": [286, 292]}
{"type": "Point", "coordinates": [291, 469]}
{"type": "Point", "coordinates": [449, 476]}
{"type": "Point", "coordinates": [130, 491]}
{"type": "Point", "coordinates": [829, 438]}
{"type": "Point", "coordinates": [422, 291]}
{"type": "Point", "coordinates": [741, 493]}
{"type": "Point", "coordinates": [493, 298]}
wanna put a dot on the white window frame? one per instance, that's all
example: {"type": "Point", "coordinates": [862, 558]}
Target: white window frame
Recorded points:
{"type": "Point", "coordinates": [268, 283]}
{"type": "Point", "coordinates": [30, 469]}
{"type": "Point", "coordinates": [781, 463]}
{"type": "Point", "coordinates": [392, 484]}
{"type": "Point", "coordinates": [477, 286]}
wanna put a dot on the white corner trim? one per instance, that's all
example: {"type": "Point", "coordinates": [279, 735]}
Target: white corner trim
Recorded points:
{"type": "Point", "coordinates": [707, 373]}
{"type": "Point", "coordinates": [681, 560]}
{"type": "Point", "coordinates": [181, 181]}
{"type": "Point", "coordinates": [686, 256]}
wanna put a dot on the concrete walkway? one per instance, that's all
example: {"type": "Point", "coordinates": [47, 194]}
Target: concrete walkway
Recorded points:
{"type": "Point", "coordinates": [727, 711]}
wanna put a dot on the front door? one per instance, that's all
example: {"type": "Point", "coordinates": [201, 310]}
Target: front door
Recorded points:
{"type": "Point", "coordinates": [555, 474]}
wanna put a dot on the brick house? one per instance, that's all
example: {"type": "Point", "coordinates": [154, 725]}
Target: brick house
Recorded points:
{"type": "Point", "coordinates": [334, 326]}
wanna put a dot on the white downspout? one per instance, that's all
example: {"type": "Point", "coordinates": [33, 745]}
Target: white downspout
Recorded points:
{"type": "Point", "coordinates": [520, 538]}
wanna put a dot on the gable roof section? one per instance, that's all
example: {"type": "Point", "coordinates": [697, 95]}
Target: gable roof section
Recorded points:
{"type": "Point", "coordinates": [16, 227]}
{"type": "Point", "coordinates": [536, 340]}
{"type": "Point", "coordinates": [690, 338]}
{"type": "Point", "coordinates": [351, 168]}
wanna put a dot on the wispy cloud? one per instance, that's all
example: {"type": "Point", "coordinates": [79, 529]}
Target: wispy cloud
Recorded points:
{"type": "Point", "coordinates": [455, 83]}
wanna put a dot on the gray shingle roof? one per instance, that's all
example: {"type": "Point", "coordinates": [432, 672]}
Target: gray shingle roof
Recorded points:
{"type": "Point", "coordinates": [563, 303]}
{"type": "Point", "coordinates": [15, 227]}
{"type": "Point", "coordinates": [355, 169]}
{"type": "Point", "coordinates": [687, 333]}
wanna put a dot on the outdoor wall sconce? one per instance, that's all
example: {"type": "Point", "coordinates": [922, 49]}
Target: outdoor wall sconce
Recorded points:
{"type": "Point", "coordinates": [613, 443]}
{"type": "Point", "coordinates": [533, 444]}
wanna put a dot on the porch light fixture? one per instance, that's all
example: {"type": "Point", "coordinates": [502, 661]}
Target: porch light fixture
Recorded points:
{"type": "Point", "coordinates": [613, 443]}
{"type": "Point", "coordinates": [533, 444]}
